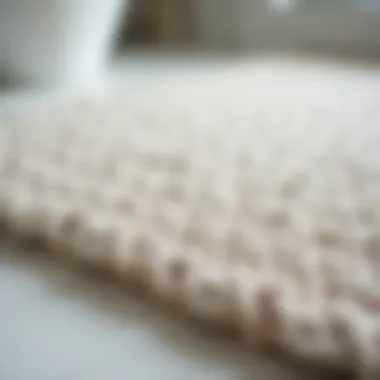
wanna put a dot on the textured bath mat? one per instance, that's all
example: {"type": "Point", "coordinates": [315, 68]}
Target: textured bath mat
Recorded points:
{"type": "Point", "coordinates": [250, 197]}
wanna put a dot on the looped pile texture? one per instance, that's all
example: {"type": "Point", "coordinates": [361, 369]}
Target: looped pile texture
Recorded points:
{"type": "Point", "coordinates": [250, 197]}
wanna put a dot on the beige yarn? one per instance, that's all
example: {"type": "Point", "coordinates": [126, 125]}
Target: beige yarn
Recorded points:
{"type": "Point", "coordinates": [249, 196]}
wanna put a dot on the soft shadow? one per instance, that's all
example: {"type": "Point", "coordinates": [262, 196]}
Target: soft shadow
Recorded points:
{"type": "Point", "coordinates": [102, 294]}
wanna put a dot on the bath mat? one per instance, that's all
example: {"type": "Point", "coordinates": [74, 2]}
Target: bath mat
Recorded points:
{"type": "Point", "coordinates": [250, 197]}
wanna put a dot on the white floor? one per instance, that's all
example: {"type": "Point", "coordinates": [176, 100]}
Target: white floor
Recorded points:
{"type": "Point", "coordinates": [58, 325]}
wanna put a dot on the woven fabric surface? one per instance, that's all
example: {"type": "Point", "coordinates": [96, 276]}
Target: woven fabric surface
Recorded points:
{"type": "Point", "coordinates": [250, 197]}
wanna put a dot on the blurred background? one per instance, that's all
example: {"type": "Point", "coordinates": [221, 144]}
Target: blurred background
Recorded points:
{"type": "Point", "coordinates": [65, 42]}
{"type": "Point", "coordinates": [351, 25]}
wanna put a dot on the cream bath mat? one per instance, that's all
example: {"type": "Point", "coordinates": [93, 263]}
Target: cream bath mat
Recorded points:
{"type": "Point", "coordinates": [249, 197]}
